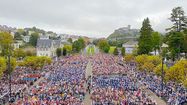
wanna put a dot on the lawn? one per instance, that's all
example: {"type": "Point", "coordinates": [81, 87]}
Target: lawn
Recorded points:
{"type": "Point", "coordinates": [112, 49]}
{"type": "Point", "coordinates": [90, 50]}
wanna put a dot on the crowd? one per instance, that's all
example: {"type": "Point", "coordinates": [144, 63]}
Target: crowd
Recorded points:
{"type": "Point", "coordinates": [21, 79]}
{"type": "Point", "coordinates": [104, 64]}
{"type": "Point", "coordinates": [174, 94]}
{"type": "Point", "coordinates": [62, 85]}
{"type": "Point", "coordinates": [114, 84]}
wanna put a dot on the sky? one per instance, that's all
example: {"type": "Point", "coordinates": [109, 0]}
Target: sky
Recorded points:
{"type": "Point", "coordinates": [92, 18]}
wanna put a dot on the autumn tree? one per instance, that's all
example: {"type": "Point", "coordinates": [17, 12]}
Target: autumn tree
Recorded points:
{"type": "Point", "coordinates": [104, 46]}
{"type": "Point", "coordinates": [2, 65]}
{"type": "Point", "coordinates": [6, 41]}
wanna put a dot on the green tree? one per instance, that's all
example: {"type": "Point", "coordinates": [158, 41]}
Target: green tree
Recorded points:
{"type": "Point", "coordinates": [82, 43]}
{"type": "Point", "coordinates": [33, 39]}
{"type": "Point", "coordinates": [123, 51]}
{"type": "Point", "coordinates": [58, 52]}
{"type": "Point", "coordinates": [116, 51]}
{"type": "Point", "coordinates": [156, 41]}
{"type": "Point", "coordinates": [104, 46]}
{"type": "Point", "coordinates": [17, 36]}
{"type": "Point", "coordinates": [6, 41]}
{"type": "Point", "coordinates": [68, 48]}
{"type": "Point", "coordinates": [2, 65]}
{"type": "Point", "coordinates": [76, 46]}
{"type": "Point", "coordinates": [64, 51]}
{"type": "Point", "coordinates": [145, 42]}
{"type": "Point", "coordinates": [179, 20]}
{"type": "Point", "coordinates": [175, 43]}
{"type": "Point", "coordinates": [70, 40]}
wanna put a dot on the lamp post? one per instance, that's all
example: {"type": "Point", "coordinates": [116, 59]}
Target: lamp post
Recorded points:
{"type": "Point", "coordinates": [10, 77]}
{"type": "Point", "coordinates": [162, 76]}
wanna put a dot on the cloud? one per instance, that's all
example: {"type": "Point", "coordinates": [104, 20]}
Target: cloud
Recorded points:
{"type": "Point", "coordinates": [97, 18]}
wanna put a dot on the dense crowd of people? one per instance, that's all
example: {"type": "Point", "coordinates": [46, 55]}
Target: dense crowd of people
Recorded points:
{"type": "Point", "coordinates": [64, 82]}
{"type": "Point", "coordinates": [114, 84]}
{"type": "Point", "coordinates": [62, 85]}
{"type": "Point", "coordinates": [173, 93]}
{"type": "Point", "coordinates": [21, 79]}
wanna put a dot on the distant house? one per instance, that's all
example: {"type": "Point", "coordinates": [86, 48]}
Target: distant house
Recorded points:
{"type": "Point", "coordinates": [26, 39]}
{"type": "Point", "coordinates": [47, 47]}
{"type": "Point", "coordinates": [130, 46]}
{"type": "Point", "coordinates": [17, 44]}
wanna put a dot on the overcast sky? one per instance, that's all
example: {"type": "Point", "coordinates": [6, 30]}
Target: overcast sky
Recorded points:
{"type": "Point", "coordinates": [97, 18]}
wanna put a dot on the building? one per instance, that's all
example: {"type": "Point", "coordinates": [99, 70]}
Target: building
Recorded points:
{"type": "Point", "coordinates": [26, 39]}
{"type": "Point", "coordinates": [130, 46]}
{"type": "Point", "coordinates": [17, 44]}
{"type": "Point", "coordinates": [47, 47]}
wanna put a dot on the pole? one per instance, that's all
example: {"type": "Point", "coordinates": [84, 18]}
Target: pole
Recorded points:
{"type": "Point", "coordinates": [162, 74]}
{"type": "Point", "coordinates": [9, 71]}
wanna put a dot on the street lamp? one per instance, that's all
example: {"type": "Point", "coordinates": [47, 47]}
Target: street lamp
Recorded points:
{"type": "Point", "coordinates": [10, 77]}
{"type": "Point", "coordinates": [162, 69]}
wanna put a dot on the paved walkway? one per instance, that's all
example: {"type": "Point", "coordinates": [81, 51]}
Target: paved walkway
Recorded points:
{"type": "Point", "coordinates": [87, 100]}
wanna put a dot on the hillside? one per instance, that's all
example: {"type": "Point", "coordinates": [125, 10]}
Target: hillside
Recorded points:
{"type": "Point", "coordinates": [124, 34]}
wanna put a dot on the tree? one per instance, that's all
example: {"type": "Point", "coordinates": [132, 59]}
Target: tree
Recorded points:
{"type": "Point", "coordinates": [58, 52]}
{"type": "Point", "coordinates": [123, 51]}
{"type": "Point", "coordinates": [175, 43]}
{"type": "Point", "coordinates": [129, 58]}
{"type": "Point", "coordinates": [147, 63]}
{"type": "Point", "coordinates": [13, 65]}
{"type": "Point", "coordinates": [19, 53]}
{"type": "Point", "coordinates": [116, 51]}
{"type": "Point", "coordinates": [33, 39]}
{"type": "Point", "coordinates": [179, 20]}
{"type": "Point", "coordinates": [158, 69]}
{"type": "Point", "coordinates": [70, 40]}
{"type": "Point", "coordinates": [68, 48]}
{"type": "Point", "coordinates": [6, 41]}
{"type": "Point", "coordinates": [17, 36]}
{"type": "Point", "coordinates": [82, 43]}
{"type": "Point", "coordinates": [36, 62]}
{"type": "Point", "coordinates": [2, 65]}
{"type": "Point", "coordinates": [145, 42]}
{"type": "Point", "coordinates": [76, 46]}
{"type": "Point", "coordinates": [156, 41]}
{"type": "Point", "coordinates": [64, 51]}
{"type": "Point", "coordinates": [184, 45]}
{"type": "Point", "coordinates": [178, 72]}
{"type": "Point", "coordinates": [104, 46]}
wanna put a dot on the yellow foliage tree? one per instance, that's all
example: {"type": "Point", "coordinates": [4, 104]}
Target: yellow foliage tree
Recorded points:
{"type": "Point", "coordinates": [158, 69]}
{"type": "Point", "coordinates": [178, 72]}
{"type": "Point", "coordinates": [36, 62]}
{"type": "Point", "coordinates": [147, 63]}
{"type": "Point", "coordinates": [2, 65]}
{"type": "Point", "coordinates": [129, 58]}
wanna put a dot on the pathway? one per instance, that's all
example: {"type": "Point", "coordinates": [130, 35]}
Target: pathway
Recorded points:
{"type": "Point", "coordinates": [87, 100]}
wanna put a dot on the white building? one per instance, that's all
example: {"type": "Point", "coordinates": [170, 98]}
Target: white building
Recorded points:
{"type": "Point", "coordinates": [17, 44]}
{"type": "Point", "coordinates": [26, 39]}
{"type": "Point", "coordinates": [130, 46]}
{"type": "Point", "coordinates": [47, 47]}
